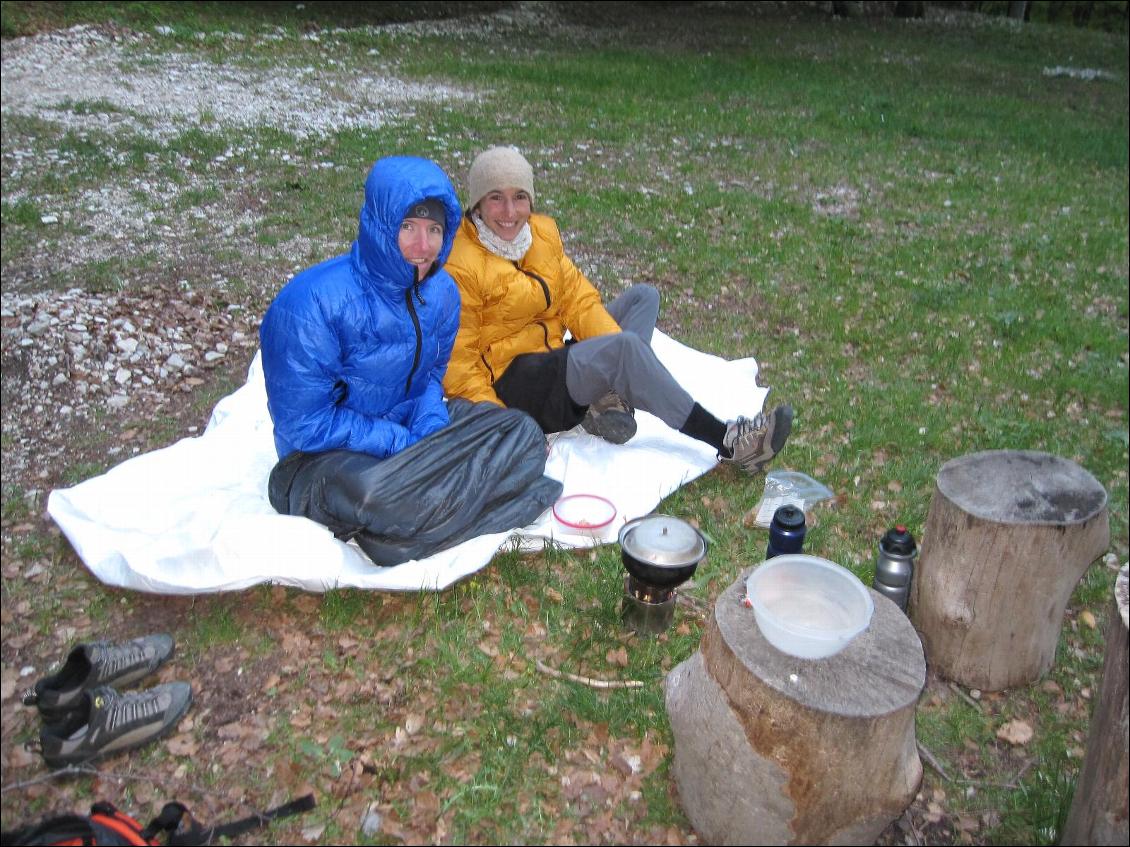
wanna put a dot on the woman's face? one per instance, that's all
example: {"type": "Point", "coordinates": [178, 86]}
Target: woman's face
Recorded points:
{"type": "Point", "coordinates": [506, 211]}
{"type": "Point", "coordinates": [420, 242]}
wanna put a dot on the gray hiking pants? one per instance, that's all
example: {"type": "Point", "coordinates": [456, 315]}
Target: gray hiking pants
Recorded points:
{"type": "Point", "coordinates": [625, 363]}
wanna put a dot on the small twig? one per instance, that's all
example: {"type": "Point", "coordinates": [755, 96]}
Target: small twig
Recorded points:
{"type": "Point", "coordinates": [91, 770]}
{"type": "Point", "coordinates": [913, 829]}
{"type": "Point", "coordinates": [932, 760]}
{"type": "Point", "coordinates": [69, 770]}
{"type": "Point", "coordinates": [1007, 786]}
{"type": "Point", "coordinates": [584, 680]}
{"type": "Point", "coordinates": [965, 697]}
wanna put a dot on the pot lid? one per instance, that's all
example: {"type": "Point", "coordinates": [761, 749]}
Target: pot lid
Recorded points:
{"type": "Point", "coordinates": [662, 540]}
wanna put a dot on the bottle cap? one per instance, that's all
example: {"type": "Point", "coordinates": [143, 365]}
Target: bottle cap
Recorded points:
{"type": "Point", "coordinates": [898, 540]}
{"type": "Point", "coordinates": [789, 517]}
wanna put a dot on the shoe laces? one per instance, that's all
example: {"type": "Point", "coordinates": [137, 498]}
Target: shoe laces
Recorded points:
{"type": "Point", "coordinates": [133, 709]}
{"type": "Point", "coordinates": [743, 428]}
{"type": "Point", "coordinates": [118, 659]}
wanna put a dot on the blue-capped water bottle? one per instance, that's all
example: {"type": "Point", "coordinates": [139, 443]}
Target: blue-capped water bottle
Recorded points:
{"type": "Point", "coordinates": [786, 532]}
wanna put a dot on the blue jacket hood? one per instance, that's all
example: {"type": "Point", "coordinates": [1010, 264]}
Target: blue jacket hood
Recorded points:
{"type": "Point", "coordinates": [353, 352]}
{"type": "Point", "coordinates": [394, 185]}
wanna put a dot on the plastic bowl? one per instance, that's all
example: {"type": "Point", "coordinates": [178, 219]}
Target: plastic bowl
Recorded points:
{"type": "Point", "coordinates": [584, 514]}
{"type": "Point", "coordinates": [806, 606]}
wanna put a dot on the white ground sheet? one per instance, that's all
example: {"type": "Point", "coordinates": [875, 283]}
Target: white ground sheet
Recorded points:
{"type": "Point", "coordinates": [194, 517]}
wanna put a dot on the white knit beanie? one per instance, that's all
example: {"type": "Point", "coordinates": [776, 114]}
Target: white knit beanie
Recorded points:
{"type": "Point", "coordinates": [499, 167]}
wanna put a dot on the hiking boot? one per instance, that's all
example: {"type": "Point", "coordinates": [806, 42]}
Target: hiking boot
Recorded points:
{"type": "Point", "coordinates": [610, 418]}
{"type": "Point", "coordinates": [107, 722]}
{"type": "Point", "coordinates": [751, 443]}
{"type": "Point", "coordinates": [94, 664]}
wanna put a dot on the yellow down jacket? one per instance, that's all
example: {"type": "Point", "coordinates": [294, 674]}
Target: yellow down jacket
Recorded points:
{"type": "Point", "coordinates": [510, 308]}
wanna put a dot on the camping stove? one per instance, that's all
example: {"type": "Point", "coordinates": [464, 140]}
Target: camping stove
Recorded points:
{"type": "Point", "coordinates": [647, 609]}
{"type": "Point", "coordinates": [660, 553]}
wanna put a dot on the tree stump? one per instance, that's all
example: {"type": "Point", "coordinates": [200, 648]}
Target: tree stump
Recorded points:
{"type": "Point", "coordinates": [771, 749]}
{"type": "Point", "coordinates": [1008, 535]}
{"type": "Point", "coordinates": [1099, 813]}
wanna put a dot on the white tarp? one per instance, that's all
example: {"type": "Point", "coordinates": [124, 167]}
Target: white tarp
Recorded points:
{"type": "Point", "coordinates": [194, 517]}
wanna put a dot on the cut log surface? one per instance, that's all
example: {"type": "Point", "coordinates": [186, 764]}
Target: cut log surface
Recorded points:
{"type": "Point", "coordinates": [1008, 535]}
{"type": "Point", "coordinates": [772, 749]}
{"type": "Point", "coordinates": [1099, 810]}
{"type": "Point", "coordinates": [1022, 487]}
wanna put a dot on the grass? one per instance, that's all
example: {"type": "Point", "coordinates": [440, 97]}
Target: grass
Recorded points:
{"type": "Point", "coordinates": [921, 238]}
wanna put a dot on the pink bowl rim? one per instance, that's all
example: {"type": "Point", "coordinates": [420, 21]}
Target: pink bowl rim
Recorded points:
{"type": "Point", "coordinates": [589, 526]}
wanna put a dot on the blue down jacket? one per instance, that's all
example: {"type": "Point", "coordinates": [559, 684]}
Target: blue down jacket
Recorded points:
{"type": "Point", "coordinates": [354, 352]}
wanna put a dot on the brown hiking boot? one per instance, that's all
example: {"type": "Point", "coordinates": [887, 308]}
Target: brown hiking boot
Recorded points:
{"type": "Point", "coordinates": [753, 442]}
{"type": "Point", "coordinates": [610, 418]}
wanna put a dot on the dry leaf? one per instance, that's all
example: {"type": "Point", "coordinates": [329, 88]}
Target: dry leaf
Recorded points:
{"type": "Point", "coordinates": [553, 594]}
{"type": "Point", "coordinates": [413, 723]}
{"type": "Point", "coordinates": [618, 657]}
{"type": "Point", "coordinates": [182, 745]}
{"type": "Point", "coordinates": [20, 757]}
{"type": "Point", "coordinates": [1088, 619]}
{"type": "Point", "coordinates": [1015, 732]}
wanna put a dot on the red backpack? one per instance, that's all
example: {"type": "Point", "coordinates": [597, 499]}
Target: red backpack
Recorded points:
{"type": "Point", "coordinates": [107, 826]}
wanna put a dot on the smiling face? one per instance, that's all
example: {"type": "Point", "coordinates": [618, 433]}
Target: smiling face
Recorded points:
{"type": "Point", "coordinates": [505, 211]}
{"type": "Point", "coordinates": [420, 242]}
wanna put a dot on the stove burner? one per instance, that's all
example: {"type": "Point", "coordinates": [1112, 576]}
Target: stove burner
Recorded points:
{"type": "Point", "coordinates": [646, 609]}
{"type": "Point", "coordinates": [645, 593]}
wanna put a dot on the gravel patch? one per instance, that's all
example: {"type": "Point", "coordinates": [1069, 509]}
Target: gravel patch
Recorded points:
{"type": "Point", "coordinates": [75, 362]}
{"type": "Point", "coordinates": [47, 75]}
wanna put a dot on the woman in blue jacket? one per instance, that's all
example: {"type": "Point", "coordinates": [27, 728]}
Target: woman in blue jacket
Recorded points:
{"type": "Point", "coordinates": [354, 353]}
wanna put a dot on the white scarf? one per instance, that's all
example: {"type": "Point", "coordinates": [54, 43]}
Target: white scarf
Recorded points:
{"type": "Point", "coordinates": [511, 250]}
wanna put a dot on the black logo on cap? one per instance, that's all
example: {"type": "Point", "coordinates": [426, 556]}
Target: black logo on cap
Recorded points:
{"type": "Point", "coordinates": [422, 211]}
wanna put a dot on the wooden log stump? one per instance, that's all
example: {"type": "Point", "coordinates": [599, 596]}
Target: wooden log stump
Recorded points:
{"type": "Point", "coordinates": [1099, 813]}
{"type": "Point", "coordinates": [1008, 535]}
{"type": "Point", "coordinates": [771, 749]}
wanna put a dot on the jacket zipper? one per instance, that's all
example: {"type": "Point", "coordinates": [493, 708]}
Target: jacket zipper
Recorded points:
{"type": "Point", "coordinates": [544, 285]}
{"type": "Point", "coordinates": [490, 370]}
{"type": "Point", "coordinates": [419, 339]}
{"type": "Point", "coordinates": [545, 291]}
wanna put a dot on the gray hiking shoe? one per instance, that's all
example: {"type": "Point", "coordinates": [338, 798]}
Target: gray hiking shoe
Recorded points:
{"type": "Point", "coordinates": [108, 722]}
{"type": "Point", "coordinates": [94, 664]}
{"type": "Point", "coordinates": [610, 418]}
{"type": "Point", "coordinates": [751, 443]}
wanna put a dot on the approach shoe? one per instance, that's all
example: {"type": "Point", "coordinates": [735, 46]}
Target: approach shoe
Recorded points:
{"type": "Point", "coordinates": [610, 418]}
{"type": "Point", "coordinates": [94, 664]}
{"type": "Point", "coordinates": [107, 722]}
{"type": "Point", "coordinates": [751, 443]}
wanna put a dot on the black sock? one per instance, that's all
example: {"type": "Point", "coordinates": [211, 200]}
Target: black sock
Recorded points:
{"type": "Point", "coordinates": [705, 427]}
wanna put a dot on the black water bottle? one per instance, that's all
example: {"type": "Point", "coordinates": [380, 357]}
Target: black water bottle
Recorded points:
{"type": "Point", "coordinates": [894, 568]}
{"type": "Point", "coordinates": [786, 532]}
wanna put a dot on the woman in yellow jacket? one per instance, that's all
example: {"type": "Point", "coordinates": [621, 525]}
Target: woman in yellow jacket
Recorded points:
{"type": "Point", "coordinates": [520, 294]}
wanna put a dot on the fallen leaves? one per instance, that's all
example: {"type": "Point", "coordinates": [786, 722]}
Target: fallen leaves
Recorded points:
{"type": "Point", "coordinates": [1016, 732]}
{"type": "Point", "coordinates": [617, 657]}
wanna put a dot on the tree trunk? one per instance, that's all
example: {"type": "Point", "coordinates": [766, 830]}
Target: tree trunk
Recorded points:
{"type": "Point", "coordinates": [771, 749]}
{"type": "Point", "coordinates": [1099, 811]}
{"type": "Point", "coordinates": [910, 9]}
{"type": "Point", "coordinates": [1007, 537]}
{"type": "Point", "coordinates": [1081, 13]}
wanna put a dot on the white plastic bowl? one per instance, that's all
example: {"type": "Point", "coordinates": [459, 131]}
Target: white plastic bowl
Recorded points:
{"type": "Point", "coordinates": [807, 606]}
{"type": "Point", "coordinates": [584, 514]}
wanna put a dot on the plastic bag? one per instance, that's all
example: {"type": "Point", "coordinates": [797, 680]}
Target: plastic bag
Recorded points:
{"type": "Point", "coordinates": [787, 488]}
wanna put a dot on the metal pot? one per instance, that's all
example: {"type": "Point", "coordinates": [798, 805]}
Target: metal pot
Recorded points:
{"type": "Point", "coordinates": [661, 550]}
